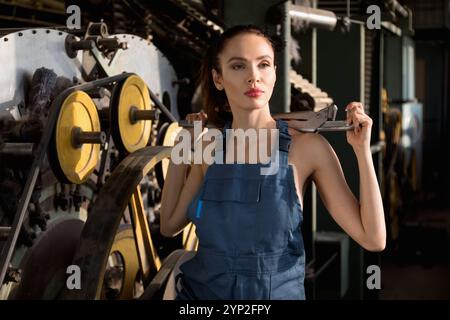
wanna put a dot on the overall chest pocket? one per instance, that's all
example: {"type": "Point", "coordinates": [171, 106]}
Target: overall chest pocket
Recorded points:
{"type": "Point", "coordinates": [227, 213]}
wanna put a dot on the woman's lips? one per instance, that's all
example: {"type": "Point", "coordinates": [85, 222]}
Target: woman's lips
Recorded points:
{"type": "Point", "coordinates": [254, 93]}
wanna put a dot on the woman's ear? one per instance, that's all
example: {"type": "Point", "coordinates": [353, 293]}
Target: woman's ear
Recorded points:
{"type": "Point", "coordinates": [217, 78]}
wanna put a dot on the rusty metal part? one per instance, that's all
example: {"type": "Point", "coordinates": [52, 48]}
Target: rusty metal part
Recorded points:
{"type": "Point", "coordinates": [105, 216]}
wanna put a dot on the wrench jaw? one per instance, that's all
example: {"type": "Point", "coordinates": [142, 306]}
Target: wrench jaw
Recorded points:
{"type": "Point", "coordinates": [312, 122]}
{"type": "Point", "coordinates": [335, 126]}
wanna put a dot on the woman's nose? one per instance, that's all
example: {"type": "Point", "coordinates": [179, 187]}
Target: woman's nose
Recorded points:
{"type": "Point", "coordinates": [254, 75]}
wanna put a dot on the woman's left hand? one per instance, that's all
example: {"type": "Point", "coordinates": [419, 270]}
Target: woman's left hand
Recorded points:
{"type": "Point", "coordinates": [359, 137]}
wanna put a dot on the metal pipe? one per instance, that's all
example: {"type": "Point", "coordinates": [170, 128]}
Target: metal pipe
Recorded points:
{"type": "Point", "coordinates": [310, 17]}
{"type": "Point", "coordinates": [72, 45]}
{"type": "Point", "coordinates": [110, 43]}
{"type": "Point", "coordinates": [17, 148]}
{"type": "Point", "coordinates": [137, 115]}
{"type": "Point", "coordinates": [80, 137]}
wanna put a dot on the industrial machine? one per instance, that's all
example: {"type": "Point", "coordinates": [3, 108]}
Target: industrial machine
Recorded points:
{"type": "Point", "coordinates": [70, 113]}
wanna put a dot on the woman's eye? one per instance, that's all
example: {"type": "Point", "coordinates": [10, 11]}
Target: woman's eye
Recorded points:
{"type": "Point", "coordinates": [237, 66]}
{"type": "Point", "coordinates": [265, 65]}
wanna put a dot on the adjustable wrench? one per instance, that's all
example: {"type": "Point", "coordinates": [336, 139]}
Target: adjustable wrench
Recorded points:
{"type": "Point", "coordinates": [310, 121]}
{"type": "Point", "coordinates": [305, 121]}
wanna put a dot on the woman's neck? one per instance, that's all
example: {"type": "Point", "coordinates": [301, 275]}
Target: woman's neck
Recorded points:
{"type": "Point", "coordinates": [256, 119]}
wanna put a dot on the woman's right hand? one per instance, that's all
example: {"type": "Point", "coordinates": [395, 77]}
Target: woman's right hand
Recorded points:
{"type": "Point", "coordinates": [190, 118]}
{"type": "Point", "coordinates": [198, 116]}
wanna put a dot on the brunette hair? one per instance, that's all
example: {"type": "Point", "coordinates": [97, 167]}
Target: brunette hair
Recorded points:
{"type": "Point", "coordinates": [214, 101]}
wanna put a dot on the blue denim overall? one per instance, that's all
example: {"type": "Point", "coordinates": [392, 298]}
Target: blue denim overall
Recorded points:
{"type": "Point", "coordinates": [248, 225]}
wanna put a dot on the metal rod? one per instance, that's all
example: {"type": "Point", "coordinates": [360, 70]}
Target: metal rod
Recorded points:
{"type": "Point", "coordinates": [311, 17]}
{"type": "Point", "coordinates": [72, 45]}
{"type": "Point", "coordinates": [138, 115]}
{"type": "Point", "coordinates": [81, 45]}
{"type": "Point", "coordinates": [80, 137]}
{"type": "Point", "coordinates": [17, 148]}
{"type": "Point", "coordinates": [109, 43]}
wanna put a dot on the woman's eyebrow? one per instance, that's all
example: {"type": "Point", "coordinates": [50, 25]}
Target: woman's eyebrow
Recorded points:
{"type": "Point", "coordinates": [243, 59]}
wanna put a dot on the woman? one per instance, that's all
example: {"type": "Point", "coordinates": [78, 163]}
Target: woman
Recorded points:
{"type": "Point", "coordinates": [248, 224]}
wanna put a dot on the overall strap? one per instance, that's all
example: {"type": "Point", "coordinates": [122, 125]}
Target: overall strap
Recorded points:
{"type": "Point", "coordinates": [285, 137]}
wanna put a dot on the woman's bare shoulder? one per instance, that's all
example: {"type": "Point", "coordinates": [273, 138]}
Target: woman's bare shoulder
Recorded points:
{"type": "Point", "coordinates": [307, 140]}
{"type": "Point", "coordinates": [310, 147]}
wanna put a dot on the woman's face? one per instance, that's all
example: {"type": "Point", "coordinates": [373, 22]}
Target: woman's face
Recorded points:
{"type": "Point", "coordinates": [247, 63]}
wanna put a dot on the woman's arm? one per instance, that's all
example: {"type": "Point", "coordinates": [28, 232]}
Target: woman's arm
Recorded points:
{"type": "Point", "coordinates": [177, 193]}
{"type": "Point", "coordinates": [362, 220]}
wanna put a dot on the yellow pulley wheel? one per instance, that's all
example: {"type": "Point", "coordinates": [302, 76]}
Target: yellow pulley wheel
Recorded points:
{"type": "Point", "coordinates": [132, 113]}
{"type": "Point", "coordinates": [121, 280]}
{"type": "Point", "coordinates": [166, 137]}
{"type": "Point", "coordinates": [75, 145]}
